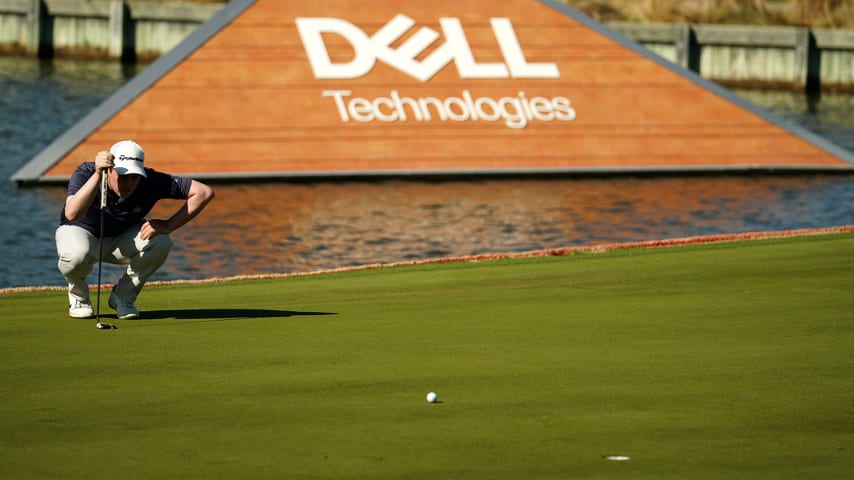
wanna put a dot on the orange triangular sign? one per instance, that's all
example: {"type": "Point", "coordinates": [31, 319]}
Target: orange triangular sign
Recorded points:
{"type": "Point", "coordinates": [288, 88]}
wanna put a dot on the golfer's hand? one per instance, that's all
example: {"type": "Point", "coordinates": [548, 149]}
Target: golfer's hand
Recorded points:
{"type": "Point", "coordinates": [154, 227]}
{"type": "Point", "coordinates": [104, 161]}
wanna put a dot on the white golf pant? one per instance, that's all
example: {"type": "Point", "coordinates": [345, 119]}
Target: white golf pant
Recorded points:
{"type": "Point", "coordinates": [78, 252]}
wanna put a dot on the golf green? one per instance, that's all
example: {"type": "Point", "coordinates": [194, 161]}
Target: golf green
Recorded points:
{"type": "Point", "coordinates": [729, 360]}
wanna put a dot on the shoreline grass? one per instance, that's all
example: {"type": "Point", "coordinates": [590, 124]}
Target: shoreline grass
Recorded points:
{"type": "Point", "coordinates": [562, 251]}
{"type": "Point", "coordinates": [812, 13]}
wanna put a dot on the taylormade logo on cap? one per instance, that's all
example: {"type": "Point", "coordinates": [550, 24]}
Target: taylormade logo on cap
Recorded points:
{"type": "Point", "coordinates": [129, 158]}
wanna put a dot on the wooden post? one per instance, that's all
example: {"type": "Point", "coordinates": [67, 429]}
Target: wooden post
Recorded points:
{"type": "Point", "coordinates": [39, 30]}
{"type": "Point", "coordinates": [808, 59]}
{"type": "Point", "coordinates": [122, 38]}
{"type": "Point", "coordinates": [687, 48]}
{"type": "Point", "coordinates": [813, 63]}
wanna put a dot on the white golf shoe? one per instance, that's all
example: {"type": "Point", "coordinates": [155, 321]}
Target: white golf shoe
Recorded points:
{"type": "Point", "coordinates": [125, 309]}
{"type": "Point", "coordinates": [80, 309]}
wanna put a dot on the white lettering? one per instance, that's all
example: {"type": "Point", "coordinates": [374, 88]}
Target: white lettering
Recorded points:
{"type": "Point", "coordinates": [563, 110]}
{"type": "Point", "coordinates": [463, 57]}
{"type": "Point", "coordinates": [493, 114]}
{"type": "Point", "coordinates": [542, 109]}
{"type": "Point", "coordinates": [361, 110]}
{"type": "Point", "coordinates": [513, 55]}
{"type": "Point", "coordinates": [404, 57]}
{"type": "Point", "coordinates": [311, 30]}
{"type": "Point", "coordinates": [517, 111]}
{"type": "Point", "coordinates": [401, 103]}
{"type": "Point", "coordinates": [339, 101]}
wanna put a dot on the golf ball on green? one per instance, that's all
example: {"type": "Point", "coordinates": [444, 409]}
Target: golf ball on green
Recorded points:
{"type": "Point", "coordinates": [432, 397]}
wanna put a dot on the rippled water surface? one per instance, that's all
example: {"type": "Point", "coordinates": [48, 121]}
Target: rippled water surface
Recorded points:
{"type": "Point", "coordinates": [285, 227]}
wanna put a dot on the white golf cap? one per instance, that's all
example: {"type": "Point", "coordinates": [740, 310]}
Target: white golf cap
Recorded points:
{"type": "Point", "coordinates": [129, 158]}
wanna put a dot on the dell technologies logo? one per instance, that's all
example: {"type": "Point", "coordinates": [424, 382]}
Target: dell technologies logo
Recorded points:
{"type": "Point", "coordinates": [516, 109]}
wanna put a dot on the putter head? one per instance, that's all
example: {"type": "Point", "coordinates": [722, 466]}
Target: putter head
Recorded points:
{"type": "Point", "coordinates": [105, 326]}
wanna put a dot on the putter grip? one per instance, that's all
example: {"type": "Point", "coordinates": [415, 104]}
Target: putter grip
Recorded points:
{"type": "Point", "coordinates": [103, 190]}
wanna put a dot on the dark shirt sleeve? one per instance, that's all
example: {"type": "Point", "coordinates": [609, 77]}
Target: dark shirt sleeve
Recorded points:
{"type": "Point", "coordinates": [164, 185]}
{"type": "Point", "coordinates": [81, 175]}
{"type": "Point", "coordinates": [181, 187]}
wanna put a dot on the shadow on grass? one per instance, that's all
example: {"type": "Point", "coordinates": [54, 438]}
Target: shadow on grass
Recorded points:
{"type": "Point", "coordinates": [216, 314]}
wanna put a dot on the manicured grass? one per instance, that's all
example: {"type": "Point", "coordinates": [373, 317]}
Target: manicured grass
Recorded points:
{"type": "Point", "coordinates": [704, 362]}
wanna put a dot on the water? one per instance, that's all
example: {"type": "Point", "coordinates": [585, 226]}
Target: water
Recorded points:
{"type": "Point", "coordinates": [287, 227]}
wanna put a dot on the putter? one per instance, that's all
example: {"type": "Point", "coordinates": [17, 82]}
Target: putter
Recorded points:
{"type": "Point", "coordinates": [101, 325]}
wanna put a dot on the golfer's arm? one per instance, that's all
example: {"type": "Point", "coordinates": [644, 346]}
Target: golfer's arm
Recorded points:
{"type": "Point", "coordinates": [76, 205]}
{"type": "Point", "coordinates": [199, 198]}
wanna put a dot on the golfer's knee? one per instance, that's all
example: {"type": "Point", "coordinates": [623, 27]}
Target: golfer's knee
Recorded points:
{"type": "Point", "coordinates": [159, 245]}
{"type": "Point", "coordinates": [74, 260]}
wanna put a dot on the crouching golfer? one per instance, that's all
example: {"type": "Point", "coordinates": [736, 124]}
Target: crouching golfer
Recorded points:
{"type": "Point", "coordinates": [129, 239]}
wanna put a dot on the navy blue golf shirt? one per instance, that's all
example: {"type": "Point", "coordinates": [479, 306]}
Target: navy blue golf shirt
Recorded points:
{"type": "Point", "coordinates": [123, 213]}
